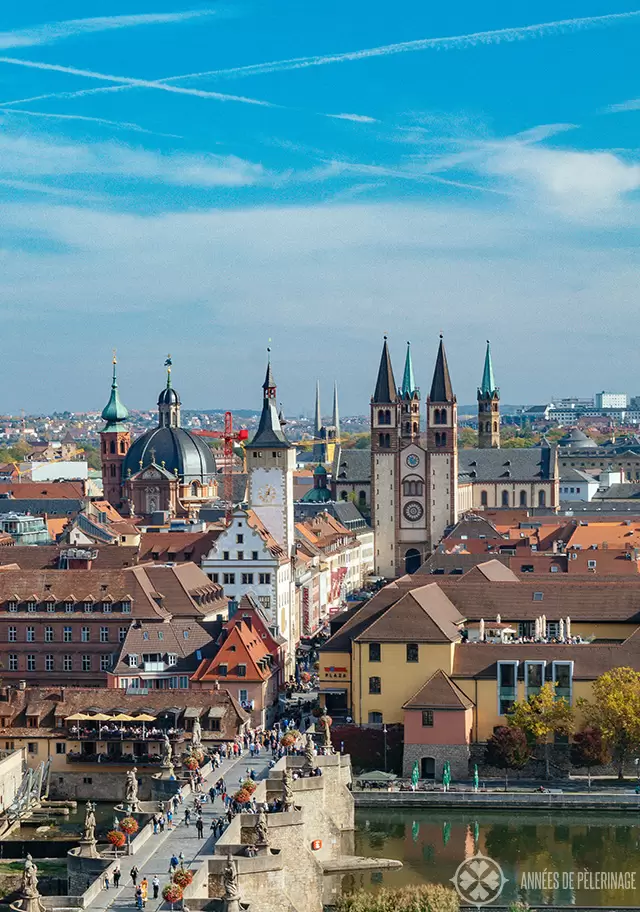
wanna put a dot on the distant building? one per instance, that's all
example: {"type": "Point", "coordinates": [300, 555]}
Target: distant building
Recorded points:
{"type": "Point", "coordinates": [607, 400]}
{"type": "Point", "coordinates": [326, 436]}
{"type": "Point", "coordinates": [24, 529]}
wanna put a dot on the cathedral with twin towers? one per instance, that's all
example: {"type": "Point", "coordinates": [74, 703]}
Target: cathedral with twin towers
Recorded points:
{"type": "Point", "coordinates": [421, 482]}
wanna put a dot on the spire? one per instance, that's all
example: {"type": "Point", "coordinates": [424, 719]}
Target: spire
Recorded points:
{"type": "Point", "coordinates": [336, 414]}
{"type": "Point", "coordinates": [441, 389]}
{"type": "Point", "coordinates": [114, 411]}
{"type": "Point", "coordinates": [385, 385]}
{"type": "Point", "coordinates": [408, 380]}
{"type": "Point", "coordinates": [488, 386]}
{"type": "Point", "coordinates": [269, 433]}
{"type": "Point", "coordinates": [318, 423]}
{"type": "Point", "coordinates": [168, 402]}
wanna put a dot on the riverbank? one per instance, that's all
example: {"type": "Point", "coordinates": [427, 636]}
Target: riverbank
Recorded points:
{"type": "Point", "coordinates": [586, 801]}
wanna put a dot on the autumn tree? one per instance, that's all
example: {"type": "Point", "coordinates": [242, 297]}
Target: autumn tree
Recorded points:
{"type": "Point", "coordinates": [588, 750]}
{"type": "Point", "coordinates": [541, 715]}
{"type": "Point", "coordinates": [615, 711]}
{"type": "Point", "coordinates": [507, 749]}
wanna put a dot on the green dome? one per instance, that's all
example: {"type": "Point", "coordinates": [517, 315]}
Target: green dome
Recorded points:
{"type": "Point", "coordinates": [317, 495]}
{"type": "Point", "coordinates": [114, 411]}
{"type": "Point", "coordinates": [320, 470]}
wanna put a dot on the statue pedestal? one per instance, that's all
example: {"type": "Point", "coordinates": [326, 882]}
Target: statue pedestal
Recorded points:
{"type": "Point", "coordinates": [28, 904]}
{"type": "Point", "coordinates": [87, 849]}
{"type": "Point", "coordinates": [234, 905]}
{"type": "Point", "coordinates": [166, 772]}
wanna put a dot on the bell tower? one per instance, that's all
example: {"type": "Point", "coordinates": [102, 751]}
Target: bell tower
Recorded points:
{"type": "Point", "coordinates": [115, 441]}
{"type": "Point", "coordinates": [385, 448]}
{"type": "Point", "coordinates": [410, 398]}
{"type": "Point", "coordinates": [488, 407]}
{"type": "Point", "coordinates": [442, 450]}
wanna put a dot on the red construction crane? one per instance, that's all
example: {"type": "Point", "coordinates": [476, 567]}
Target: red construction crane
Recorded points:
{"type": "Point", "coordinates": [229, 436]}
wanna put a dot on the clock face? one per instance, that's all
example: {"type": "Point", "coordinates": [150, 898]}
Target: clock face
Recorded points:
{"type": "Point", "coordinates": [413, 511]}
{"type": "Point", "coordinates": [413, 460]}
{"type": "Point", "coordinates": [267, 495]}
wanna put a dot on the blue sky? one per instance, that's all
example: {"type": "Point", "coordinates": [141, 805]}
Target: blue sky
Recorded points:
{"type": "Point", "coordinates": [200, 179]}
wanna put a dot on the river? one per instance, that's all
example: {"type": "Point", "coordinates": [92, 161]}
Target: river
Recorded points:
{"type": "Point", "coordinates": [545, 858]}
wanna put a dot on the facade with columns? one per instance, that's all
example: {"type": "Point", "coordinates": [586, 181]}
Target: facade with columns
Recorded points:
{"type": "Point", "coordinates": [421, 483]}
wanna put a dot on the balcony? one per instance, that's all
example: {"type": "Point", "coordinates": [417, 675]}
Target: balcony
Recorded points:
{"type": "Point", "coordinates": [125, 733]}
{"type": "Point", "coordinates": [122, 759]}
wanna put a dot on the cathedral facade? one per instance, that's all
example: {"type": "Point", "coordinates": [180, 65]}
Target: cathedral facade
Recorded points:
{"type": "Point", "coordinates": [421, 483]}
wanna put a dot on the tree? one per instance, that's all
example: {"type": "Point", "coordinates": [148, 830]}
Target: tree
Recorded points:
{"type": "Point", "coordinates": [542, 715]}
{"type": "Point", "coordinates": [507, 749]}
{"type": "Point", "coordinates": [588, 749]}
{"type": "Point", "coordinates": [425, 898]}
{"type": "Point", "coordinates": [615, 711]}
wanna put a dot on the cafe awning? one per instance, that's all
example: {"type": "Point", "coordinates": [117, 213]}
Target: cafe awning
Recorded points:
{"type": "Point", "coordinates": [123, 717]}
{"type": "Point", "coordinates": [145, 717]}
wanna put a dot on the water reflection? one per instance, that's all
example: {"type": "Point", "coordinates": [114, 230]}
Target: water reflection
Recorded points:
{"type": "Point", "coordinates": [546, 858]}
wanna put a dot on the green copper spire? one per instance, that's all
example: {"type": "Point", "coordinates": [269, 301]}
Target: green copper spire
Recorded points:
{"type": "Point", "coordinates": [408, 380]}
{"type": "Point", "coordinates": [488, 387]}
{"type": "Point", "coordinates": [114, 411]}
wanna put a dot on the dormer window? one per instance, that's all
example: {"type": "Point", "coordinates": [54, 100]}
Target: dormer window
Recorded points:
{"type": "Point", "coordinates": [31, 606]}
{"type": "Point", "coordinates": [106, 607]}
{"type": "Point", "coordinates": [126, 607]}
{"type": "Point", "coordinates": [242, 671]}
{"type": "Point", "coordinates": [222, 670]}
{"type": "Point", "coordinates": [68, 607]}
{"type": "Point", "coordinates": [88, 607]}
{"type": "Point", "coordinates": [172, 659]}
{"type": "Point", "coordinates": [12, 605]}
{"type": "Point", "coordinates": [133, 660]}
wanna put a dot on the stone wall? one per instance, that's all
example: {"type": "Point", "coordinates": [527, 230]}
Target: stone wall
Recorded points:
{"type": "Point", "coordinates": [560, 765]}
{"type": "Point", "coordinates": [456, 754]}
{"type": "Point", "coordinates": [100, 785]}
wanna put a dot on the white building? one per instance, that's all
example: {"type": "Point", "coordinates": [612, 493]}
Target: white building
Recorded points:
{"type": "Point", "coordinates": [607, 400]}
{"type": "Point", "coordinates": [577, 486]}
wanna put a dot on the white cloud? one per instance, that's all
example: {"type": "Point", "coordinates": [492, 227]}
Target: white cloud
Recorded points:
{"type": "Point", "coordinates": [356, 118]}
{"type": "Point", "coordinates": [72, 28]}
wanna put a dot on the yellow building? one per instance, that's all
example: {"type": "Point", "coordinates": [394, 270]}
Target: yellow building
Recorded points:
{"type": "Point", "coordinates": [416, 654]}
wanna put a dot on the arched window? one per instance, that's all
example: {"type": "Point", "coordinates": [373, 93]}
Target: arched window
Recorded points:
{"type": "Point", "coordinates": [112, 446]}
{"type": "Point", "coordinates": [343, 495]}
{"type": "Point", "coordinates": [436, 416]}
{"type": "Point", "coordinates": [488, 427]}
{"type": "Point", "coordinates": [438, 439]}
{"type": "Point", "coordinates": [362, 498]}
{"type": "Point", "coordinates": [542, 499]}
{"type": "Point", "coordinates": [194, 488]}
{"type": "Point", "coordinates": [381, 416]}
{"type": "Point", "coordinates": [523, 498]}
{"type": "Point", "coordinates": [387, 416]}
{"type": "Point", "coordinates": [505, 498]}
{"type": "Point", "coordinates": [443, 439]}
{"type": "Point", "coordinates": [412, 560]}
{"type": "Point", "coordinates": [415, 427]}
{"type": "Point", "coordinates": [443, 416]}
{"type": "Point", "coordinates": [104, 446]}
{"type": "Point", "coordinates": [122, 446]}
{"type": "Point", "coordinates": [484, 499]}
{"type": "Point", "coordinates": [495, 426]}
{"type": "Point", "coordinates": [407, 427]}
{"type": "Point", "coordinates": [380, 440]}
{"type": "Point", "coordinates": [113, 471]}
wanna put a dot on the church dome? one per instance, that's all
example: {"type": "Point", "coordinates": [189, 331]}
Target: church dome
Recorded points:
{"type": "Point", "coordinates": [178, 450]}
{"type": "Point", "coordinates": [168, 396]}
{"type": "Point", "coordinates": [114, 412]}
{"type": "Point", "coordinates": [578, 440]}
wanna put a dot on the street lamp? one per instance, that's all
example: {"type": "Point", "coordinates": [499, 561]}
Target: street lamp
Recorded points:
{"type": "Point", "coordinates": [384, 732]}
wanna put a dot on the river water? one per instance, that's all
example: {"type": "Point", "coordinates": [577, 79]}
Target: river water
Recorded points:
{"type": "Point", "coordinates": [546, 858]}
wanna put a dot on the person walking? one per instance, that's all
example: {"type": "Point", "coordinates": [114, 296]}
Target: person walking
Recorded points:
{"type": "Point", "coordinates": [106, 881]}
{"type": "Point", "coordinates": [144, 887]}
{"type": "Point", "coordinates": [116, 876]}
{"type": "Point", "coordinates": [173, 863]}
{"type": "Point", "coordinates": [200, 826]}
{"type": "Point", "coordinates": [169, 820]}
{"type": "Point", "coordinates": [155, 883]}
{"type": "Point", "coordinates": [134, 875]}
{"type": "Point", "coordinates": [187, 816]}
{"type": "Point", "coordinates": [139, 903]}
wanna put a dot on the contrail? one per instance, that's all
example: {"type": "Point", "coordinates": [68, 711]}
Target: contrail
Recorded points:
{"type": "Point", "coordinates": [56, 31]}
{"type": "Point", "coordinates": [131, 82]}
{"type": "Point", "coordinates": [120, 124]}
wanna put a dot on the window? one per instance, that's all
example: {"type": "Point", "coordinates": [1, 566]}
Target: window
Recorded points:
{"type": "Point", "coordinates": [67, 634]}
{"type": "Point", "coordinates": [48, 663]}
{"type": "Point", "coordinates": [507, 686]}
{"type": "Point", "coordinates": [68, 607]}
{"type": "Point", "coordinates": [375, 685]}
{"type": "Point", "coordinates": [410, 489]}
{"type": "Point", "coordinates": [31, 662]}
{"type": "Point", "coordinates": [538, 596]}
{"type": "Point", "coordinates": [185, 634]}
{"type": "Point", "coordinates": [85, 634]}
{"type": "Point", "coordinates": [228, 579]}
{"type": "Point", "coordinates": [13, 661]}
{"type": "Point", "coordinates": [375, 718]}
{"type": "Point", "coordinates": [13, 634]}
{"type": "Point", "coordinates": [242, 671]}
{"type": "Point", "coordinates": [48, 634]}
{"type": "Point", "coordinates": [533, 677]}
{"type": "Point", "coordinates": [505, 498]}
{"type": "Point", "coordinates": [172, 659]}
{"type": "Point", "coordinates": [32, 747]}
{"type": "Point", "coordinates": [31, 634]}
{"type": "Point", "coordinates": [247, 579]}
{"type": "Point", "coordinates": [254, 555]}
{"type": "Point", "coordinates": [484, 499]}
{"type": "Point", "coordinates": [126, 607]}
{"type": "Point", "coordinates": [67, 663]}
{"type": "Point", "coordinates": [427, 718]}
{"type": "Point", "coordinates": [239, 539]}
{"type": "Point", "coordinates": [61, 747]}
{"type": "Point", "coordinates": [542, 499]}
{"type": "Point", "coordinates": [13, 607]}
{"type": "Point", "coordinates": [243, 696]}
{"type": "Point", "coordinates": [240, 555]}
{"type": "Point", "coordinates": [214, 725]}
{"type": "Point", "coordinates": [31, 606]}
{"type": "Point", "coordinates": [563, 679]}
{"type": "Point", "coordinates": [374, 652]}
{"type": "Point", "coordinates": [225, 555]}
{"type": "Point", "coordinates": [104, 634]}
{"type": "Point", "coordinates": [88, 607]}
{"type": "Point", "coordinates": [591, 564]}
{"type": "Point", "coordinates": [222, 670]}
{"type": "Point", "coordinates": [106, 607]}
{"type": "Point", "coordinates": [86, 663]}
{"type": "Point", "coordinates": [133, 660]}
{"type": "Point", "coordinates": [105, 663]}
{"type": "Point", "coordinates": [265, 601]}
{"type": "Point", "coordinates": [87, 780]}
{"type": "Point", "coordinates": [412, 652]}
{"type": "Point", "coordinates": [214, 577]}
{"type": "Point", "coordinates": [183, 682]}
{"type": "Point", "coordinates": [523, 498]}
{"type": "Point", "coordinates": [264, 579]}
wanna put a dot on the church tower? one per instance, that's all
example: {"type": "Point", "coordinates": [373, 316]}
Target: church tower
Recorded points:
{"type": "Point", "coordinates": [488, 406]}
{"type": "Point", "coordinates": [442, 450]}
{"type": "Point", "coordinates": [115, 441]}
{"type": "Point", "coordinates": [410, 399]}
{"type": "Point", "coordinates": [325, 437]}
{"type": "Point", "coordinates": [169, 403]}
{"type": "Point", "coordinates": [385, 446]}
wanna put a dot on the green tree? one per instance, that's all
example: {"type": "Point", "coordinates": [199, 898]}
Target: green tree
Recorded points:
{"type": "Point", "coordinates": [507, 749]}
{"type": "Point", "coordinates": [425, 898]}
{"type": "Point", "coordinates": [92, 455]}
{"type": "Point", "coordinates": [543, 715]}
{"type": "Point", "coordinates": [588, 750]}
{"type": "Point", "coordinates": [615, 711]}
